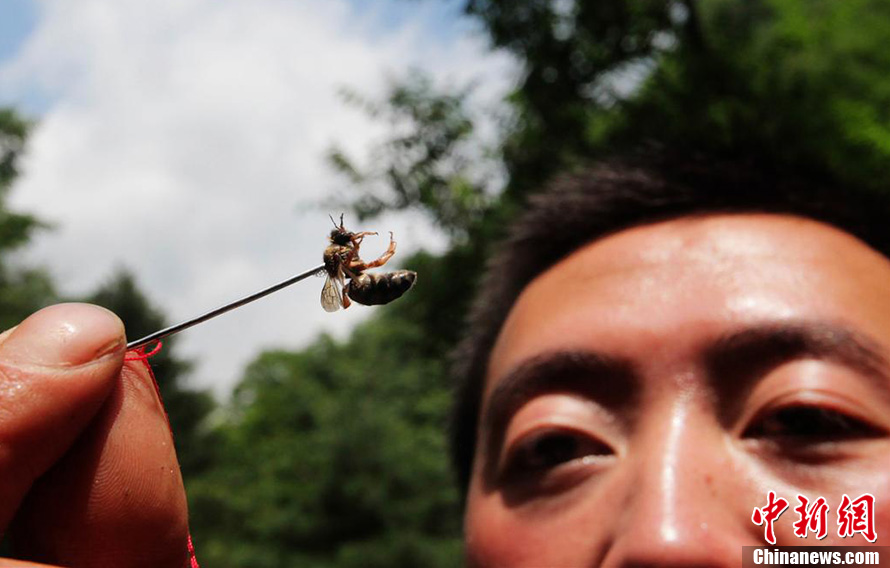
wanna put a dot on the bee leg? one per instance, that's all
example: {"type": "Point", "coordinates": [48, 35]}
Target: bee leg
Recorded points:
{"type": "Point", "coordinates": [358, 237]}
{"type": "Point", "coordinates": [354, 269]}
{"type": "Point", "coordinates": [385, 256]}
{"type": "Point", "coordinates": [346, 302]}
{"type": "Point", "coordinates": [352, 264]}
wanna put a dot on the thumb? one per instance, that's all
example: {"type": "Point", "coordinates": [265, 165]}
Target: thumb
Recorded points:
{"type": "Point", "coordinates": [56, 369]}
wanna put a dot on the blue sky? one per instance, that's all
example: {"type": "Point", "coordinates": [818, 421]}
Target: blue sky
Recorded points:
{"type": "Point", "coordinates": [17, 19]}
{"type": "Point", "coordinates": [442, 20]}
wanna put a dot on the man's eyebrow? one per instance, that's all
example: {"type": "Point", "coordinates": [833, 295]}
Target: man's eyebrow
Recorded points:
{"type": "Point", "coordinates": [560, 371]}
{"type": "Point", "coordinates": [762, 346]}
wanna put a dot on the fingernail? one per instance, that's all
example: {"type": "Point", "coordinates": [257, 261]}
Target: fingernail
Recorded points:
{"type": "Point", "coordinates": [64, 335]}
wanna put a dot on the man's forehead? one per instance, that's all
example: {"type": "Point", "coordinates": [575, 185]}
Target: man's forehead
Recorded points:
{"type": "Point", "coordinates": [709, 237]}
{"type": "Point", "coordinates": [710, 269]}
{"type": "Point", "coordinates": [715, 240]}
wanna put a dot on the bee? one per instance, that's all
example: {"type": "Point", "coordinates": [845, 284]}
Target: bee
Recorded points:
{"type": "Point", "coordinates": [342, 261]}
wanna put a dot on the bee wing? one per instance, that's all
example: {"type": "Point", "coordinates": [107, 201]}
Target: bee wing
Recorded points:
{"type": "Point", "coordinates": [331, 295]}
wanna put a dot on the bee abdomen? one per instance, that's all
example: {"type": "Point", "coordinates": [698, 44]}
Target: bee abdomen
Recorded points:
{"type": "Point", "coordinates": [376, 289]}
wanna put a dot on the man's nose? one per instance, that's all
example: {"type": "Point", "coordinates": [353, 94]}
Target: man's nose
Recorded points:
{"type": "Point", "coordinates": [681, 505]}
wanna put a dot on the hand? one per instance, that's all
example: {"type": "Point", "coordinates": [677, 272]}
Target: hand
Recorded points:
{"type": "Point", "coordinates": [88, 472]}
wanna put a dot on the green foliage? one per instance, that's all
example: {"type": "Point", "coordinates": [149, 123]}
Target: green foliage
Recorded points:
{"type": "Point", "coordinates": [333, 457]}
{"type": "Point", "coordinates": [13, 132]}
{"type": "Point", "coordinates": [428, 161]}
{"type": "Point", "coordinates": [792, 83]}
{"type": "Point", "coordinates": [22, 289]}
{"type": "Point", "coordinates": [15, 228]}
{"type": "Point", "coordinates": [578, 57]}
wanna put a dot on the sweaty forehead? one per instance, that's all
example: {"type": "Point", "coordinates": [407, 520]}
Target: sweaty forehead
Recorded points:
{"type": "Point", "coordinates": [712, 239]}
{"type": "Point", "coordinates": [707, 272]}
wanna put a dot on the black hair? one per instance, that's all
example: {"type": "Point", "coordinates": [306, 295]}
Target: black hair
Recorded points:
{"type": "Point", "coordinates": [618, 194]}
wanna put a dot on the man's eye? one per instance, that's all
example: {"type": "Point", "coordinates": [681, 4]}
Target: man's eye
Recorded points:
{"type": "Point", "coordinates": [546, 450]}
{"type": "Point", "coordinates": [809, 424]}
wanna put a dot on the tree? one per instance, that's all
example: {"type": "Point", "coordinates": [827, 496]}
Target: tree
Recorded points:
{"type": "Point", "coordinates": [790, 83]}
{"type": "Point", "coordinates": [22, 289]}
{"type": "Point", "coordinates": [333, 457]}
{"type": "Point", "coordinates": [427, 162]}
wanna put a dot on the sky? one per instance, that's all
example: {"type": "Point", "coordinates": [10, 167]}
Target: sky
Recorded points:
{"type": "Point", "coordinates": [185, 141]}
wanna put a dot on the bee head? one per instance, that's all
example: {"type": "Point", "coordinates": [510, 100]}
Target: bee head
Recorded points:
{"type": "Point", "coordinates": [339, 235]}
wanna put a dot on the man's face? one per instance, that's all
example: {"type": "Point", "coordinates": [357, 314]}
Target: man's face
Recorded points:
{"type": "Point", "coordinates": [646, 393]}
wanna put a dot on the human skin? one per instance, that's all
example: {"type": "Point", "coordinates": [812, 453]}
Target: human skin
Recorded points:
{"type": "Point", "coordinates": [88, 472]}
{"type": "Point", "coordinates": [652, 387]}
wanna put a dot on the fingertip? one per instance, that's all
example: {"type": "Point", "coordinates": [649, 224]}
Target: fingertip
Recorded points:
{"type": "Point", "coordinates": [64, 335]}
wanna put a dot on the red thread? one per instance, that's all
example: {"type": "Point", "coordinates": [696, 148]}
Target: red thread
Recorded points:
{"type": "Point", "coordinates": [193, 561]}
{"type": "Point", "coordinates": [139, 354]}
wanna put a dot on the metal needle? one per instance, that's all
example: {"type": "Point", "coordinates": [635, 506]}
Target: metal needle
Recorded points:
{"type": "Point", "coordinates": [222, 309]}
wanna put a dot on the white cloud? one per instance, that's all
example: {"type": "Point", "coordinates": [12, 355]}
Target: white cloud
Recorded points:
{"type": "Point", "coordinates": [184, 139]}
